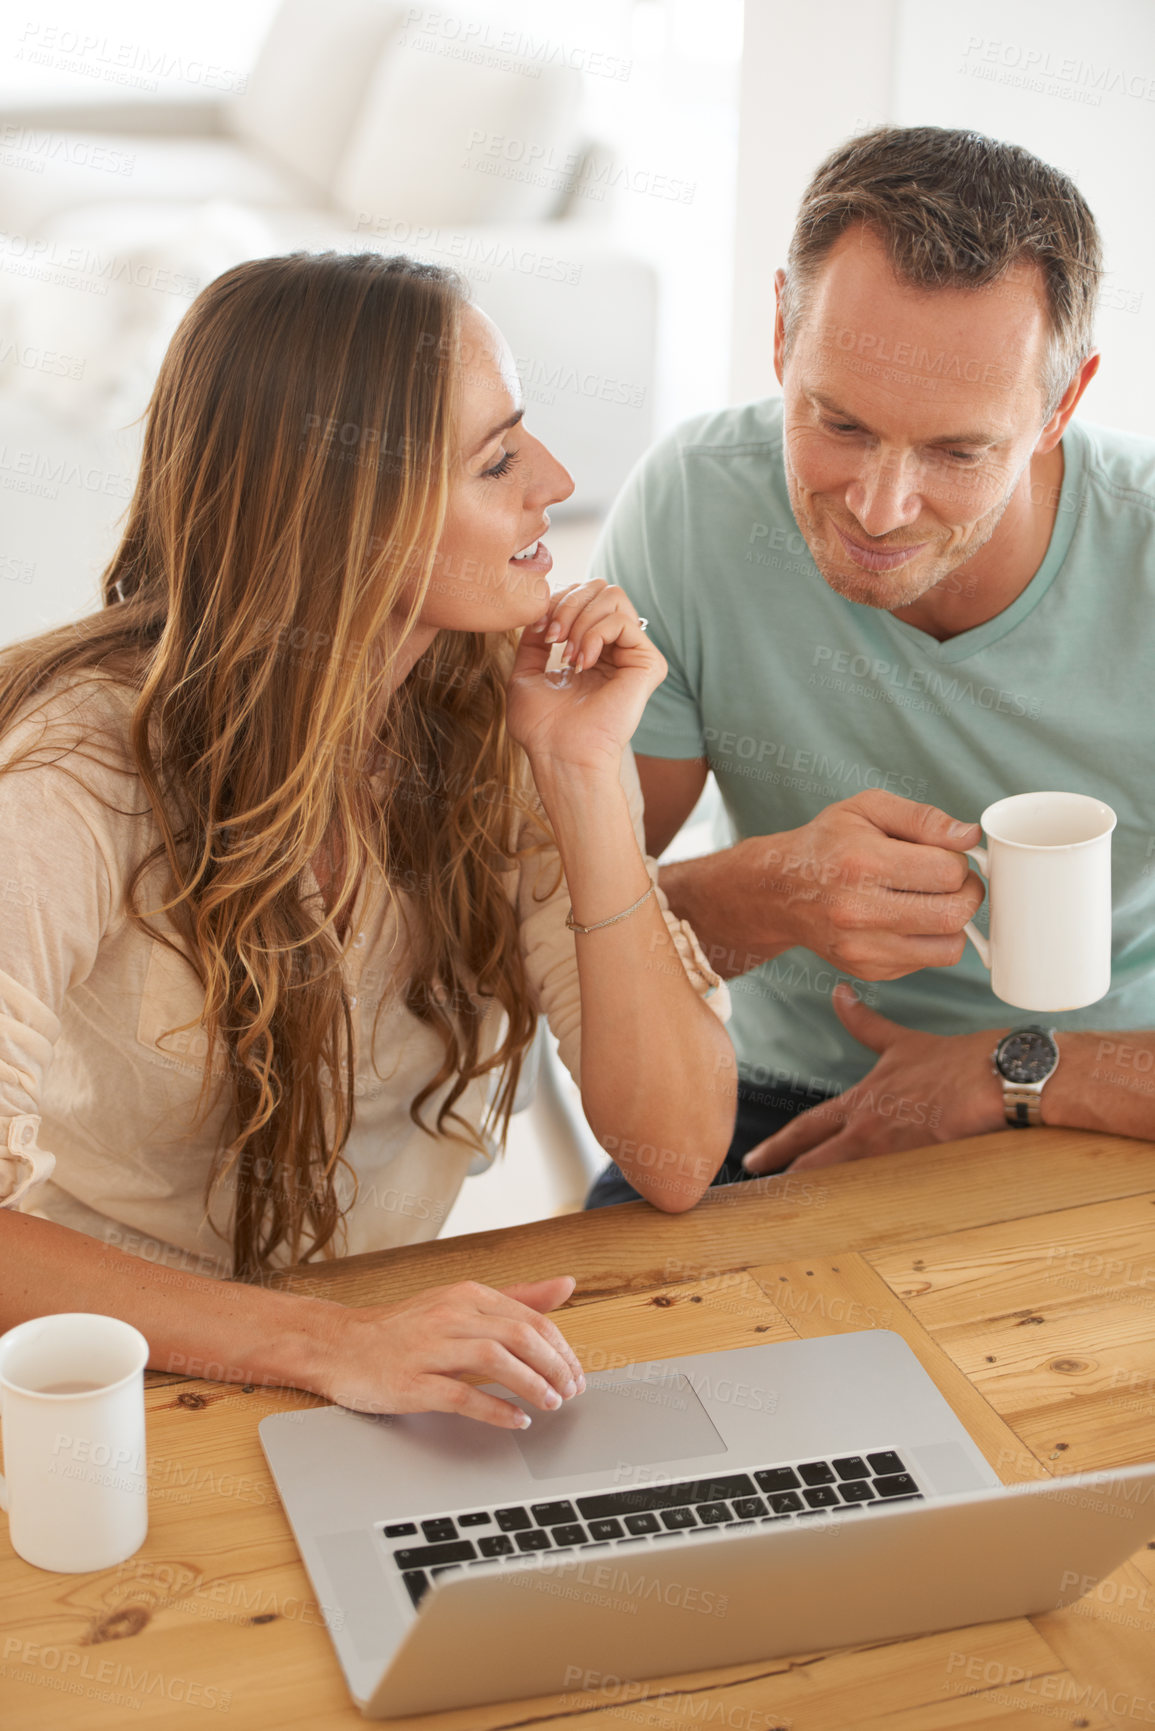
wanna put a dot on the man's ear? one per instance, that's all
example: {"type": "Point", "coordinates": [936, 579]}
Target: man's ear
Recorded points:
{"type": "Point", "coordinates": [779, 325]}
{"type": "Point", "coordinates": [1057, 425]}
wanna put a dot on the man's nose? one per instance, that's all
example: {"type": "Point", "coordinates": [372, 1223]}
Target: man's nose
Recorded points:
{"type": "Point", "coordinates": [884, 496]}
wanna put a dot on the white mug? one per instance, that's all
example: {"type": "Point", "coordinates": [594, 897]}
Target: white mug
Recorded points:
{"type": "Point", "coordinates": [1048, 863]}
{"type": "Point", "coordinates": [72, 1405]}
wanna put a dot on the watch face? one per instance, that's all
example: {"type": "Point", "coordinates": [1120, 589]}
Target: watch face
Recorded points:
{"type": "Point", "coordinates": [1027, 1055]}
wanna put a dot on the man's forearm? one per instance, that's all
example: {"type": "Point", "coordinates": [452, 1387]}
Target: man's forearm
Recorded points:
{"type": "Point", "coordinates": [713, 893]}
{"type": "Point", "coordinates": [1104, 1081]}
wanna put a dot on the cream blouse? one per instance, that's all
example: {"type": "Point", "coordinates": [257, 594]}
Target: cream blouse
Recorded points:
{"type": "Point", "coordinates": [97, 1095]}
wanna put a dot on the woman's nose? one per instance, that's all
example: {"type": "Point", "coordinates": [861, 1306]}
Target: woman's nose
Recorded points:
{"type": "Point", "coordinates": [552, 481]}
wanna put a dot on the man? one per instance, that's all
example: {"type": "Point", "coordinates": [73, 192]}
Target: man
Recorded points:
{"type": "Point", "coordinates": [912, 586]}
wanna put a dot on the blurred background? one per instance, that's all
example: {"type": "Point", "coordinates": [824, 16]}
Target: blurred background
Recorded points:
{"type": "Point", "coordinates": [617, 179]}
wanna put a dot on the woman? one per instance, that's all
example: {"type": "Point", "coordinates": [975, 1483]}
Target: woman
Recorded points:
{"type": "Point", "coordinates": [290, 903]}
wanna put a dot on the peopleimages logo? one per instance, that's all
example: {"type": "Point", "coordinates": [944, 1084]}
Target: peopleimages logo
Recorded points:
{"type": "Point", "coordinates": [112, 60]}
{"type": "Point", "coordinates": [84, 1673]}
{"type": "Point", "coordinates": [1028, 66]}
{"type": "Point", "coordinates": [543, 380]}
{"type": "Point", "coordinates": [933, 363]}
{"type": "Point", "coordinates": [574, 171]}
{"type": "Point", "coordinates": [481, 254]}
{"type": "Point", "coordinates": [926, 681]}
{"type": "Point", "coordinates": [744, 754]}
{"type": "Point", "coordinates": [41, 147]}
{"type": "Point", "coordinates": [433, 30]}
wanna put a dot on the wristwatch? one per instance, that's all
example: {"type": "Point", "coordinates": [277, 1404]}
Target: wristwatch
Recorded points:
{"type": "Point", "coordinates": [1025, 1060]}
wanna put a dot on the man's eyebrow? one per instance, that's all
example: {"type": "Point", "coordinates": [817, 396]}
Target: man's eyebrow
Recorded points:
{"type": "Point", "coordinates": [987, 436]}
{"type": "Point", "coordinates": [502, 427]}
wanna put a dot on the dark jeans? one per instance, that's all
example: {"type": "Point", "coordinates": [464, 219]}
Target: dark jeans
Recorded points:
{"type": "Point", "coordinates": [761, 1111]}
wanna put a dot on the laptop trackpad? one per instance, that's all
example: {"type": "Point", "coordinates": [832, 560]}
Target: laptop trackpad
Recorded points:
{"type": "Point", "coordinates": [620, 1421]}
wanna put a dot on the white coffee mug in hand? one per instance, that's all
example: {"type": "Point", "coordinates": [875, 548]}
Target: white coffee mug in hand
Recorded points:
{"type": "Point", "coordinates": [72, 1404]}
{"type": "Point", "coordinates": [1048, 863]}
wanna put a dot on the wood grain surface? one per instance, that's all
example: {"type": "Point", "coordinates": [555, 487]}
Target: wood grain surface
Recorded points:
{"type": "Point", "coordinates": [1020, 1268]}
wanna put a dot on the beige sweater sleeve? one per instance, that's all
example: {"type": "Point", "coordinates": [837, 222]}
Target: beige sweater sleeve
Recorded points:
{"type": "Point", "coordinates": [549, 948]}
{"type": "Point", "coordinates": [57, 893]}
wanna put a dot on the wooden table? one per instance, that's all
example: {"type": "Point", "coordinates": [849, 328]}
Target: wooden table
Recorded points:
{"type": "Point", "coordinates": [1021, 1269]}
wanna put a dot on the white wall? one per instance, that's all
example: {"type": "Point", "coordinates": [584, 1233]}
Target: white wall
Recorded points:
{"type": "Point", "coordinates": [810, 75]}
{"type": "Point", "coordinates": [1075, 84]}
{"type": "Point", "coordinates": [1071, 82]}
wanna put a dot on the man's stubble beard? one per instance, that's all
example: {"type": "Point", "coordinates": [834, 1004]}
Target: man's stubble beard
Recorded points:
{"type": "Point", "coordinates": [904, 586]}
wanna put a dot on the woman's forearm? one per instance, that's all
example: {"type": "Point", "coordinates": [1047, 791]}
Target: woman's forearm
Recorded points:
{"type": "Point", "coordinates": [658, 1075]}
{"type": "Point", "coordinates": [410, 1356]}
{"type": "Point", "coordinates": [213, 1328]}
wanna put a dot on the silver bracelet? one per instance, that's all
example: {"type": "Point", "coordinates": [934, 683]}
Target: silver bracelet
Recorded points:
{"type": "Point", "coordinates": [572, 925]}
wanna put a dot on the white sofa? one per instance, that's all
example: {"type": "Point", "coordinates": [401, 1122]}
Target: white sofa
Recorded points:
{"type": "Point", "coordinates": [362, 125]}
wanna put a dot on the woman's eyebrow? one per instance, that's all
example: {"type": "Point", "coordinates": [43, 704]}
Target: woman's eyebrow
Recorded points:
{"type": "Point", "coordinates": [502, 427]}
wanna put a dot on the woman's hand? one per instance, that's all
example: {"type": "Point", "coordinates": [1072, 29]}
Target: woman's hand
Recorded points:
{"type": "Point", "coordinates": [585, 716]}
{"type": "Point", "coordinates": [410, 1357]}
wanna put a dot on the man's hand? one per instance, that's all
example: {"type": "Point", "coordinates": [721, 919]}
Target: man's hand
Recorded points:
{"type": "Point", "coordinates": [925, 1088]}
{"type": "Point", "coordinates": [876, 885]}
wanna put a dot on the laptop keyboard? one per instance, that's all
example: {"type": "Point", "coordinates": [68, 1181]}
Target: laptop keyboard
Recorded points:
{"type": "Point", "coordinates": [423, 1549]}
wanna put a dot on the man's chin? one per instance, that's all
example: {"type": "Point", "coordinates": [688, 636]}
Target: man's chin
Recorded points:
{"type": "Point", "coordinates": [886, 590]}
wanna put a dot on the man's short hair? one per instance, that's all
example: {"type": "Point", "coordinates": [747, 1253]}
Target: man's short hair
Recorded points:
{"type": "Point", "coordinates": [955, 209]}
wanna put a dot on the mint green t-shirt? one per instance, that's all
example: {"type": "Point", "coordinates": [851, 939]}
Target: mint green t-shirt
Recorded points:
{"type": "Point", "coordinates": [800, 698]}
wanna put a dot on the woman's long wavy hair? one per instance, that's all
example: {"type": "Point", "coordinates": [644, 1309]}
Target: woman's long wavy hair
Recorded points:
{"type": "Point", "coordinates": [279, 544]}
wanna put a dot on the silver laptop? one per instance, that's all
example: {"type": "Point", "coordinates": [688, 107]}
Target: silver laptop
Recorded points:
{"type": "Point", "coordinates": [679, 1515]}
